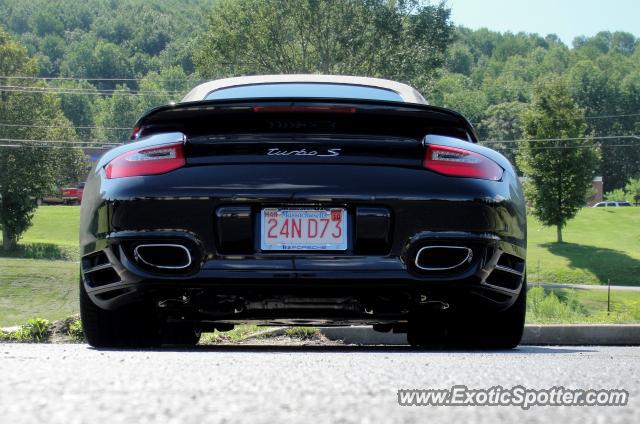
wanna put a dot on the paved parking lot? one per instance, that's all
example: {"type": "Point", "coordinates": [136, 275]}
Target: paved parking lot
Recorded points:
{"type": "Point", "coordinates": [269, 384]}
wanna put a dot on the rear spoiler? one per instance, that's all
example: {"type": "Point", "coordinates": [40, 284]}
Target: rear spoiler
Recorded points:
{"type": "Point", "coordinates": [301, 115]}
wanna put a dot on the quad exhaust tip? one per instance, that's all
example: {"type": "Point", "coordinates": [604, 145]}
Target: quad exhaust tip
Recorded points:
{"type": "Point", "coordinates": [442, 258]}
{"type": "Point", "coordinates": [163, 256]}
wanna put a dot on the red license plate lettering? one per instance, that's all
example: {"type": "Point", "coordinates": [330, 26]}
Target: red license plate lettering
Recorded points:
{"type": "Point", "coordinates": [302, 229]}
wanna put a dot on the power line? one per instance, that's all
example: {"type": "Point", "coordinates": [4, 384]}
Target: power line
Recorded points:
{"type": "Point", "coordinates": [93, 79]}
{"type": "Point", "coordinates": [52, 147]}
{"type": "Point", "coordinates": [608, 137]}
{"type": "Point", "coordinates": [611, 116]}
{"type": "Point", "coordinates": [574, 147]}
{"type": "Point", "coordinates": [65, 126]}
{"type": "Point", "coordinates": [115, 93]}
{"type": "Point", "coordinates": [87, 93]}
{"type": "Point", "coordinates": [622, 115]}
{"type": "Point", "coordinates": [86, 90]}
{"type": "Point", "coordinates": [20, 140]}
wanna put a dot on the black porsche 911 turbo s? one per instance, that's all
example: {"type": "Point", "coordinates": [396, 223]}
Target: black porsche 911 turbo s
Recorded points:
{"type": "Point", "coordinates": [303, 200]}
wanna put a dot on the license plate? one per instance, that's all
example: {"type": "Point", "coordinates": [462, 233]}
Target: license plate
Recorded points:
{"type": "Point", "coordinates": [303, 229]}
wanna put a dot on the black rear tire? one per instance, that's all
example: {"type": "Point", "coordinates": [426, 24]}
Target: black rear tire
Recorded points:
{"type": "Point", "coordinates": [502, 330]}
{"type": "Point", "coordinates": [130, 327]}
{"type": "Point", "coordinates": [497, 330]}
{"type": "Point", "coordinates": [180, 335]}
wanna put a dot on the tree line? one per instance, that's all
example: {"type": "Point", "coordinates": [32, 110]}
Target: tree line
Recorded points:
{"type": "Point", "coordinates": [106, 62]}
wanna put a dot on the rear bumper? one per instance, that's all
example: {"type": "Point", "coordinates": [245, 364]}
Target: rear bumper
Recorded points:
{"type": "Point", "coordinates": [362, 289]}
{"type": "Point", "coordinates": [229, 269]}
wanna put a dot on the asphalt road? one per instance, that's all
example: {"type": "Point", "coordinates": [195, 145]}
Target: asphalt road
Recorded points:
{"type": "Point", "coordinates": [269, 384]}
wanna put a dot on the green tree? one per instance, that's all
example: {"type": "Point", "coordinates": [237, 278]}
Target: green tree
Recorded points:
{"type": "Point", "coordinates": [459, 59]}
{"type": "Point", "coordinates": [29, 169]}
{"type": "Point", "coordinates": [617, 194]}
{"type": "Point", "coordinates": [170, 84]}
{"type": "Point", "coordinates": [457, 91]}
{"type": "Point", "coordinates": [607, 87]}
{"type": "Point", "coordinates": [77, 102]}
{"type": "Point", "coordinates": [557, 160]}
{"type": "Point", "coordinates": [503, 122]}
{"type": "Point", "coordinates": [404, 39]}
{"type": "Point", "coordinates": [93, 58]}
{"type": "Point", "coordinates": [120, 110]}
{"type": "Point", "coordinates": [632, 190]}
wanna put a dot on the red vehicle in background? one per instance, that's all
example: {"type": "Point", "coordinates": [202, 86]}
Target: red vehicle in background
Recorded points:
{"type": "Point", "coordinates": [67, 196]}
{"type": "Point", "coordinates": [72, 195]}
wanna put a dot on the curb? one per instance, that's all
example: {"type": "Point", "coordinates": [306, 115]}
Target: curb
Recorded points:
{"type": "Point", "coordinates": [567, 335]}
{"type": "Point", "coordinates": [581, 334]}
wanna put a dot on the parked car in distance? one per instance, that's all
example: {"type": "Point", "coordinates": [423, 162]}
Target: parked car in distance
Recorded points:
{"type": "Point", "coordinates": [66, 196]}
{"type": "Point", "coordinates": [612, 203]}
{"type": "Point", "coordinates": [72, 195]}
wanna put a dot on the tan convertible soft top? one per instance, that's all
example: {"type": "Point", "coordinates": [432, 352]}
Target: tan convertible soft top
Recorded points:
{"type": "Point", "coordinates": [408, 93]}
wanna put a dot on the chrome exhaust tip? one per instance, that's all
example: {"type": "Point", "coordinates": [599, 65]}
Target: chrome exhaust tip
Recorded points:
{"type": "Point", "coordinates": [163, 256]}
{"type": "Point", "coordinates": [442, 258]}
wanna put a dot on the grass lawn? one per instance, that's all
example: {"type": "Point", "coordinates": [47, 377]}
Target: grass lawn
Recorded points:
{"type": "Point", "coordinates": [53, 235]}
{"type": "Point", "coordinates": [600, 244]}
{"type": "Point", "coordinates": [55, 225]}
{"type": "Point", "coordinates": [37, 288]}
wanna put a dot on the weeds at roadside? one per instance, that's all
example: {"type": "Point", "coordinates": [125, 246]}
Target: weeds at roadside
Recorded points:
{"type": "Point", "coordinates": [239, 333]}
{"type": "Point", "coordinates": [566, 306]}
{"type": "Point", "coordinates": [36, 330]}
{"type": "Point", "coordinates": [75, 331]}
{"type": "Point", "coordinates": [302, 333]}
{"type": "Point", "coordinates": [547, 306]}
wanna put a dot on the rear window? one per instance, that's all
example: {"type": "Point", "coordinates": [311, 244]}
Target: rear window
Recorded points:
{"type": "Point", "coordinates": [313, 90]}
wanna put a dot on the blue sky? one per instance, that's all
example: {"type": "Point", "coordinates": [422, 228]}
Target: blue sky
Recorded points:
{"type": "Point", "coordinates": [565, 18]}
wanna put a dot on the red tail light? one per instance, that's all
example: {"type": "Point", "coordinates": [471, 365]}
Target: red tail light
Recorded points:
{"type": "Point", "coordinates": [460, 163]}
{"type": "Point", "coordinates": [148, 161]}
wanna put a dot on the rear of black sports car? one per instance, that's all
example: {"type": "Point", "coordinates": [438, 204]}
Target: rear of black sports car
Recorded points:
{"type": "Point", "coordinates": [303, 212]}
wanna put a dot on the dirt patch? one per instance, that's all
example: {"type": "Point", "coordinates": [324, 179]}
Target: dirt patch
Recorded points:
{"type": "Point", "coordinates": [281, 340]}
